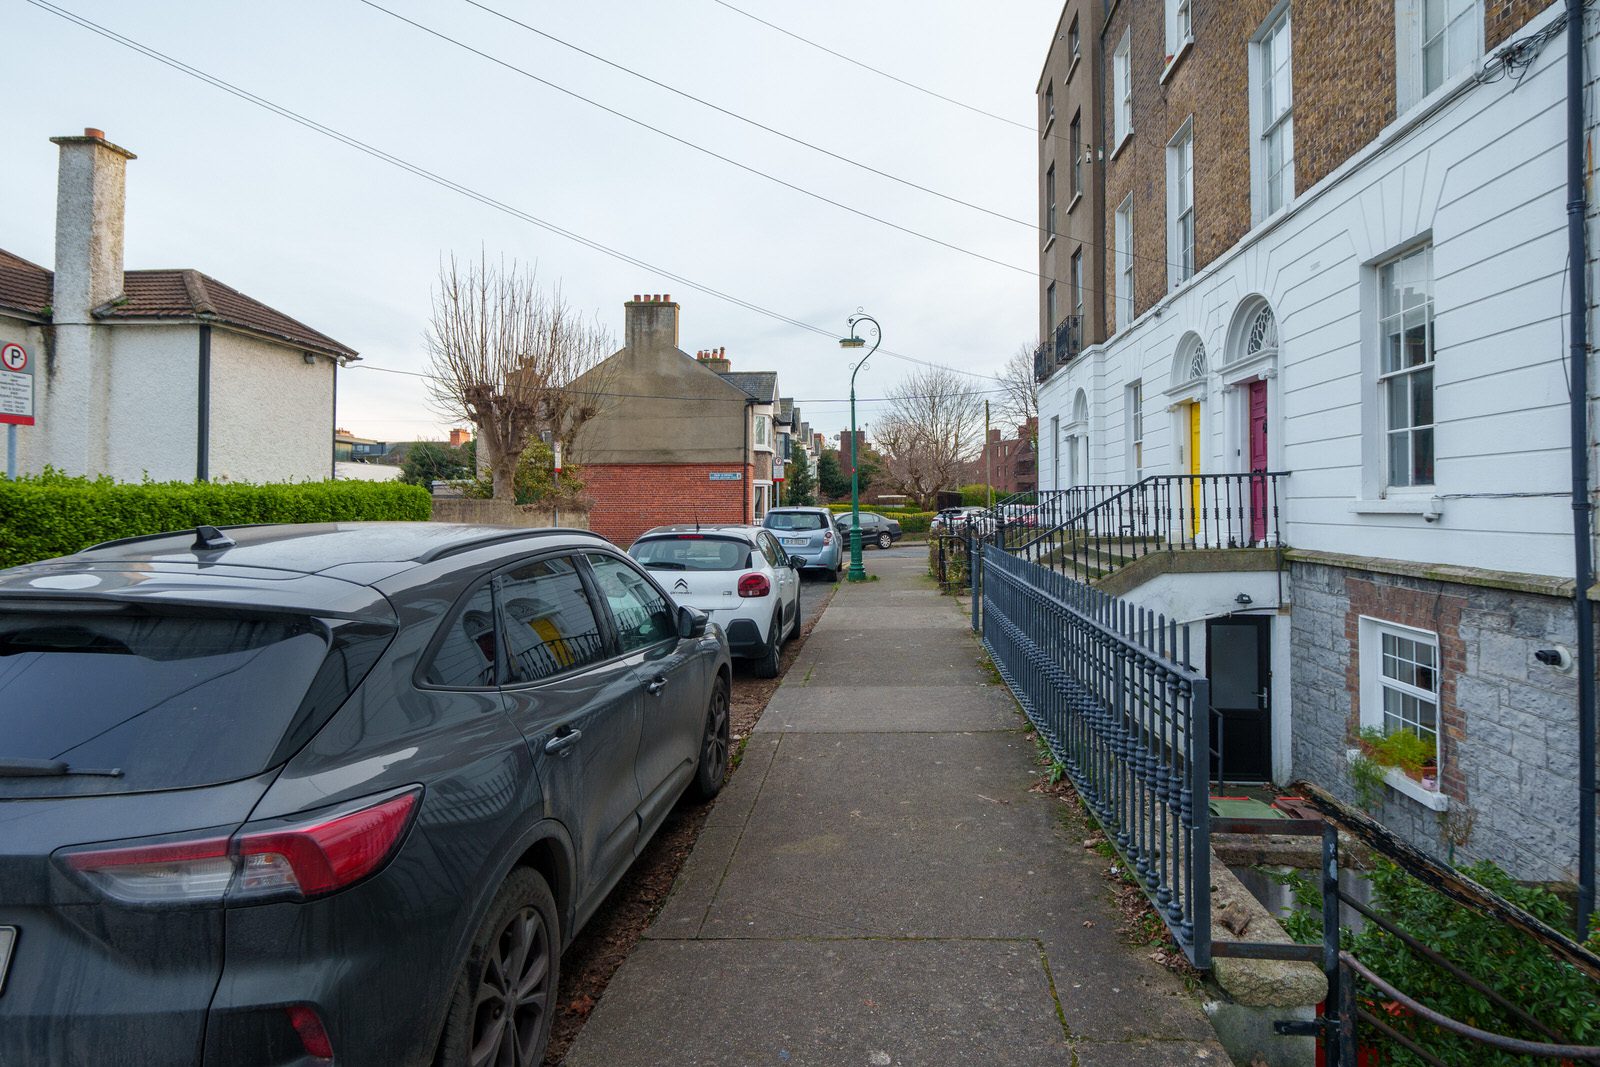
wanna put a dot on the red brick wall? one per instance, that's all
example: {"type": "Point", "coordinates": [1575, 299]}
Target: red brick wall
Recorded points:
{"type": "Point", "coordinates": [631, 498]}
{"type": "Point", "coordinates": [1424, 610]}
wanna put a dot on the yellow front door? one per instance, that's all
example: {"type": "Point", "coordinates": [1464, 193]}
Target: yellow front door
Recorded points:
{"type": "Point", "coordinates": [1194, 466]}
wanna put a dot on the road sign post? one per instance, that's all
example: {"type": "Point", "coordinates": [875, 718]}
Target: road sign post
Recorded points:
{"type": "Point", "coordinates": [16, 397]}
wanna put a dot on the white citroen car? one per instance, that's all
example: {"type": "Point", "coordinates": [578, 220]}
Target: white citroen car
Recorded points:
{"type": "Point", "coordinates": [740, 575]}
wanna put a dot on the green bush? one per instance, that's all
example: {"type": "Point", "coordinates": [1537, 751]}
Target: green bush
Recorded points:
{"type": "Point", "coordinates": [51, 514]}
{"type": "Point", "coordinates": [976, 496]}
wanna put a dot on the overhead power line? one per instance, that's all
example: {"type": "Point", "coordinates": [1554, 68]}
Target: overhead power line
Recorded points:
{"type": "Point", "coordinates": [875, 70]}
{"type": "Point", "coordinates": [802, 142]}
{"type": "Point", "coordinates": [747, 168]}
{"type": "Point", "coordinates": [456, 187]}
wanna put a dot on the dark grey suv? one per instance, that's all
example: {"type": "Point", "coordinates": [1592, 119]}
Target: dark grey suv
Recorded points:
{"type": "Point", "coordinates": [292, 794]}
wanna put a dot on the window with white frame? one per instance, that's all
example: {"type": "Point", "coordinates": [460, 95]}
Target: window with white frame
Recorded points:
{"type": "Point", "coordinates": [1435, 41]}
{"type": "Point", "coordinates": [1272, 74]}
{"type": "Point", "coordinates": [1050, 203]}
{"type": "Point", "coordinates": [761, 429]}
{"type": "Point", "coordinates": [1179, 29]}
{"type": "Point", "coordinates": [1077, 286]}
{"type": "Point", "coordinates": [1122, 88]}
{"type": "Point", "coordinates": [1405, 366]}
{"type": "Point", "coordinates": [1180, 205]}
{"type": "Point", "coordinates": [1074, 41]}
{"type": "Point", "coordinates": [1135, 402]}
{"type": "Point", "coordinates": [1400, 680]}
{"type": "Point", "coordinates": [1077, 154]}
{"type": "Point", "coordinates": [1124, 285]}
{"type": "Point", "coordinates": [1049, 104]}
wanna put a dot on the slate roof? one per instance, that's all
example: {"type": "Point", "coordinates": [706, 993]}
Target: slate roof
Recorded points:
{"type": "Point", "coordinates": [760, 384]}
{"type": "Point", "coordinates": [167, 294]}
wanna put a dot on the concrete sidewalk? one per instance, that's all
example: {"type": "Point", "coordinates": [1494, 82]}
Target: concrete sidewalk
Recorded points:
{"type": "Point", "coordinates": [877, 886]}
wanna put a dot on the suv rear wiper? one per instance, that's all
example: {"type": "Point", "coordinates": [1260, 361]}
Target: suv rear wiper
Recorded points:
{"type": "Point", "coordinates": [17, 767]}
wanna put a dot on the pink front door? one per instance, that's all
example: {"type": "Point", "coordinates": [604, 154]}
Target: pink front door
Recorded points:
{"type": "Point", "coordinates": [1258, 460]}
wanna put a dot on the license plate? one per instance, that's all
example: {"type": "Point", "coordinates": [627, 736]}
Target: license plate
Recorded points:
{"type": "Point", "coordinates": [8, 937]}
{"type": "Point", "coordinates": [799, 541]}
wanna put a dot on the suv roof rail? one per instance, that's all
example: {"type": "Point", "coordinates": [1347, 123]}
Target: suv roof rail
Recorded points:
{"type": "Point", "coordinates": [166, 533]}
{"type": "Point", "coordinates": [487, 540]}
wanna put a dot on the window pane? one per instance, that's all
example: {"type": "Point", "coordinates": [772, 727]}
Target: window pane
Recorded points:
{"type": "Point", "coordinates": [641, 613]}
{"type": "Point", "coordinates": [550, 626]}
{"type": "Point", "coordinates": [1433, 65]}
{"type": "Point", "coordinates": [1422, 398]}
{"type": "Point", "coordinates": [1398, 401]}
{"type": "Point", "coordinates": [1400, 458]}
{"type": "Point", "coordinates": [1422, 457]}
{"type": "Point", "coordinates": [465, 657]}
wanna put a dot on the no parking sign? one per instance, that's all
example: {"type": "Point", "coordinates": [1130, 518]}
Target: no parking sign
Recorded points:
{"type": "Point", "coordinates": [16, 385]}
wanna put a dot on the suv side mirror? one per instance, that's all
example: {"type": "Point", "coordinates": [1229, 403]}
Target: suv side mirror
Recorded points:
{"type": "Point", "coordinates": [692, 622]}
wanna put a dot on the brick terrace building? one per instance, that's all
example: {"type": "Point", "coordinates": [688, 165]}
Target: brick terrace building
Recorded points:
{"type": "Point", "coordinates": [1335, 247]}
{"type": "Point", "coordinates": [1011, 463]}
{"type": "Point", "coordinates": [681, 439]}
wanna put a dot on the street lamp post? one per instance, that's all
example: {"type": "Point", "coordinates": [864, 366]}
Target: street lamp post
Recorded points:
{"type": "Point", "coordinates": [857, 573]}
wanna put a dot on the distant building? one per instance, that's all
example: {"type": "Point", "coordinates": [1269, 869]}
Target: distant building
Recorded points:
{"type": "Point", "coordinates": [165, 373]}
{"type": "Point", "coordinates": [459, 437]}
{"type": "Point", "coordinates": [683, 439]}
{"type": "Point", "coordinates": [348, 448]}
{"type": "Point", "coordinates": [1011, 464]}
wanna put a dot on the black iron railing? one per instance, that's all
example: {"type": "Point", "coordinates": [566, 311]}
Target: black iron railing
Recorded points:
{"type": "Point", "coordinates": [1090, 531]}
{"type": "Point", "coordinates": [1359, 997]}
{"type": "Point", "coordinates": [1108, 686]}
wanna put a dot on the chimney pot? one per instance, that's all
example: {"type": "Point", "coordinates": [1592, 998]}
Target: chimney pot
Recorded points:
{"type": "Point", "coordinates": [90, 131]}
{"type": "Point", "coordinates": [667, 298]}
{"type": "Point", "coordinates": [635, 298]}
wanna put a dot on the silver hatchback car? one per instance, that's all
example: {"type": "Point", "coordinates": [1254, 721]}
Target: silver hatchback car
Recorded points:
{"type": "Point", "coordinates": [808, 534]}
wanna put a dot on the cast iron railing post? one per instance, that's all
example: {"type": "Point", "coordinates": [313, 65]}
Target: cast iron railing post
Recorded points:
{"type": "Point", "coordinates": [1200, 844]}
{"type": "Point", "coordinates": [1331, 967]}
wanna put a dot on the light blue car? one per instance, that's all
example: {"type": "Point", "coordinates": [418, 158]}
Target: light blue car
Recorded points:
{"type": "Point", "coordinates": [808, 534]}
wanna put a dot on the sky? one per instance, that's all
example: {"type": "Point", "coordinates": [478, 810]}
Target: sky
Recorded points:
{"type": "Point", "coordinates": [351, 245]}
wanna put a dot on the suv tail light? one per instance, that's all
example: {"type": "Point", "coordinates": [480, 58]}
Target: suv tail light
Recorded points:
{"type": "Point", "coordinates": [297, 859]}
{"type": "Point", "coordinates": [827, 537]}
{"type": "Point", "coordinates": [754, 585]}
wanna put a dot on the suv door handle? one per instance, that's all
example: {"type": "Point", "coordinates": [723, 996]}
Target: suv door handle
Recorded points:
{"type": "Point", "coordinates": [656, 685]}
{"type": "Point", "coordinates": [563, 740]}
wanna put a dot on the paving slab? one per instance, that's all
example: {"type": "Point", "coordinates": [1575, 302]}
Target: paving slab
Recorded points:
{"type": "Point", "coordinates": [826, 1003]}
{"type": "Point", "coordinates": [879, 884]}
{"type": "Point", "coordinates": [890, 708]}
{"type": "Point", "coordinates": [899, 835]}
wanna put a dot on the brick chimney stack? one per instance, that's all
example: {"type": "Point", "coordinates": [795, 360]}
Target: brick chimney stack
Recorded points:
{"type": "Point", "coordinates": [716, 360]}
{"type": "Point", "coordinates": [650, 320]}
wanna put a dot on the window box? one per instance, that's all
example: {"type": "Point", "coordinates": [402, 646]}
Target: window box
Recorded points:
{"type": "Point", "coordinates": [1403, 784]}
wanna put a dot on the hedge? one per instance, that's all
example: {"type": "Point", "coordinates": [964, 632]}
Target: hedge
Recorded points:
{"type": "Point", "coordinates": [911, 521]}
{"type": "Point", "coordinates": [54, 515]}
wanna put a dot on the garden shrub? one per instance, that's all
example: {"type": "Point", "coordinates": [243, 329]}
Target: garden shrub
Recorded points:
{"type": "Point", "coordinates": [52, 514]}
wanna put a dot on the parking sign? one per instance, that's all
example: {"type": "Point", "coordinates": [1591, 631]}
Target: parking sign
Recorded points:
{"type": "Point", "coordinates": [16, 385]}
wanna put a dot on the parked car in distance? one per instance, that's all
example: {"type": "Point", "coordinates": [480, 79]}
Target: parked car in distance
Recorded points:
{"type": "Point", "coordinates": [957, 519]}
{"type": "Point", "coordinates": [739, 575]}
{"type": "Point", "coordinates": [808, 533]}
{"type": "Point", "coordinates": [875, 529]}
{"type": "Point", "coordinates": [329, 793]}
{"type": "Point", "coordinates": [1017, 514]}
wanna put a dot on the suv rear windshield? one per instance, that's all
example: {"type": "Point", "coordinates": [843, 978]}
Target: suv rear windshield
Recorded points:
{"type": "Point", "coordinates": [795, 520]}
{"type": "Point", "coordinates": [170, 697]}
{"type": "Point", "coordinates": [692, 552]}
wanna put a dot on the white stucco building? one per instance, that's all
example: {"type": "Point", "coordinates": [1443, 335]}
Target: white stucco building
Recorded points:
{"type": "Point", "coordinates": [165, 373]}
{"type": "Point", "coordinates": [1391, 336]}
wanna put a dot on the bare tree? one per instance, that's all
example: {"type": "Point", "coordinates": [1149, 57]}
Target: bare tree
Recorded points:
{"type": "Point", "coordinates": [931, 428]}
{"type": "Point", "coordinates": [504, 352]}
{"type": "Point", "coordinates": [1019, 388]}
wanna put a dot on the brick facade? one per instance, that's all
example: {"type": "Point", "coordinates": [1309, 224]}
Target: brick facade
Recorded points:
{"type": "Point", "coordinates": [631, 498]}
{"type": "Point", "coordinates": [1344, 67]}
